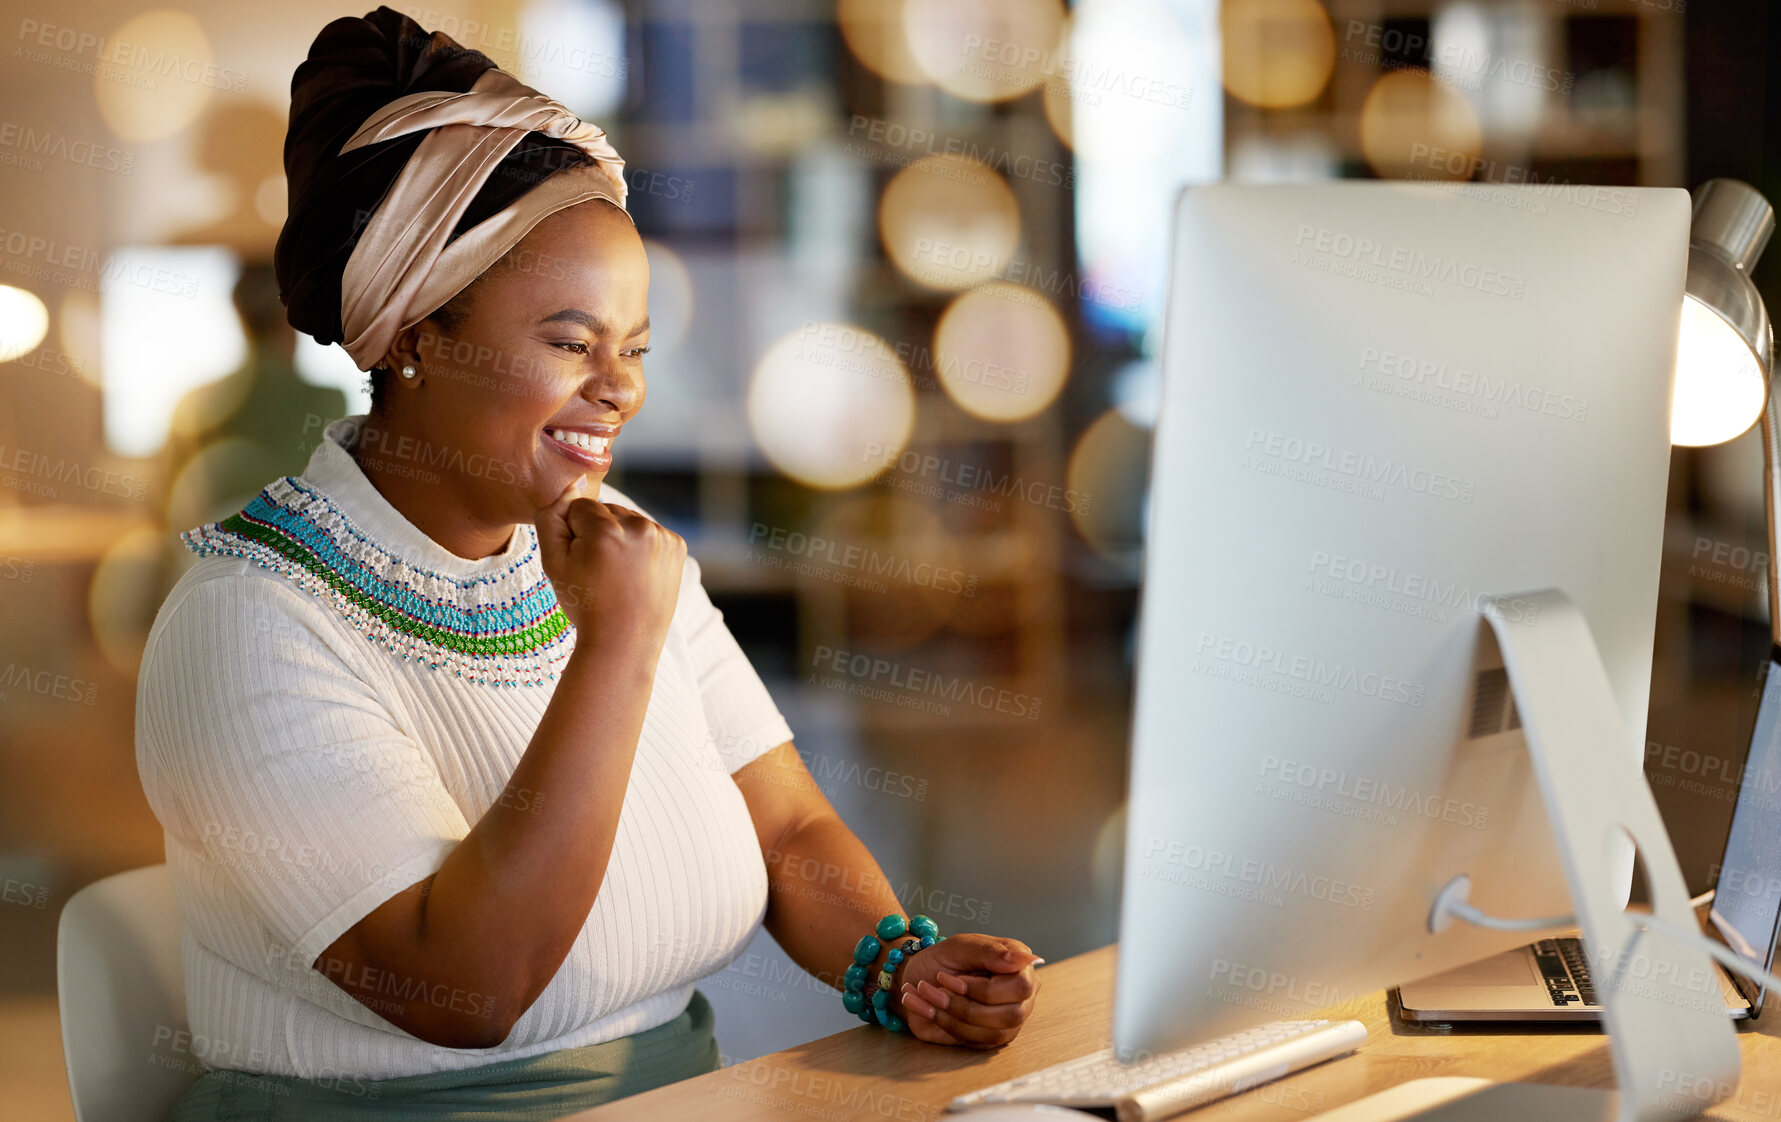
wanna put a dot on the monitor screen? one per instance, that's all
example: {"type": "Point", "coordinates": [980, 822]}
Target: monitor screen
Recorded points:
{"type": "Point", "coordinates": [1747, 900]}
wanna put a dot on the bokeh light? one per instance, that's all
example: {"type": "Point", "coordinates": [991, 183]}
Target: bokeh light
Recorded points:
{"type": "Point", "coordinates": [160, 77]}
{"type": "Point", "coordinates": [127, 586]}
{"type": "Point", "coordinates": [1111, 466]}
{"type": "Point", "coordinates": [830, 405]}
{"type": "Point", "coordinates": [985, 50]}
{"type": "Point", "coordinates": [670, 297]}
{"type": "Point", "coordinates": [24, 321]}
{"type": "Point", "coordinates": [1123, 102]}
{"type": "Point", "coordinates": [1407, 111]}
{"type": "Point", "coordinates": [1277, 53]}
{"type": "Point", "coordinates": [873, 31]}
{"type": "Point", "coordinates": [77, 331]}
{"type": "Point", "coordinates": [949, 222]}
{"type": "Point", "coordinates": [1001, 351]}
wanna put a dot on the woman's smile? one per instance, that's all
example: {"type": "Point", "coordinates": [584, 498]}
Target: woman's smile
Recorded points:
{"type": "Point", "coordinates": [589, 446]}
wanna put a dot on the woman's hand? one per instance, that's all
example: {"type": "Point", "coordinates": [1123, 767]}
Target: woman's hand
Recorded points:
{"type": "Point", "coordinates": [973, 991]}
{"type": "Point", "coordinates": [611, 566]}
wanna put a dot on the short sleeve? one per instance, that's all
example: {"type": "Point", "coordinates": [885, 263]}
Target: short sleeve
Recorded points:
{"type": "Point", "coordinates": [269, 761]}
{"type": "Point", "coordinates": [738, 709]}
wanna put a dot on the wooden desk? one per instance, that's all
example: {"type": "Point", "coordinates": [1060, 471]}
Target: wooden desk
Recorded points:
{"type": "Point", "coordinates": [869, 1074]}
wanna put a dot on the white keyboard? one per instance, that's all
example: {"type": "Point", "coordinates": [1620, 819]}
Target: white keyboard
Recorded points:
{"type": "Point", "coordinates": [1178, 1081]}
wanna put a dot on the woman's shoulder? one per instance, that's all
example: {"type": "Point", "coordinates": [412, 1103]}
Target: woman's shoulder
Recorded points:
{"type": "Point", "coordinates": [226, 608]}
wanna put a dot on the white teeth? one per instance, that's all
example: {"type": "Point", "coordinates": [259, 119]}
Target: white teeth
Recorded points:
{"type": "Point", "coordinates": [585, 441]}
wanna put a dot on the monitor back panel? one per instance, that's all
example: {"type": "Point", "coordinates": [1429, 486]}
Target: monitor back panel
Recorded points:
{"type": "Point", "coordinates": [1380, 402]}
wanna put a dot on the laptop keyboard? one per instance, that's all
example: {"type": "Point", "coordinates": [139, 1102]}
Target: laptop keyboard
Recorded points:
{"type": "Point", "coordinates": [1565, 969]}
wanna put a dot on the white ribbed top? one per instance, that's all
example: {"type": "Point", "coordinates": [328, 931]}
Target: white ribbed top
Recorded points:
{"type": "Point", "coordinates": [304, 774]}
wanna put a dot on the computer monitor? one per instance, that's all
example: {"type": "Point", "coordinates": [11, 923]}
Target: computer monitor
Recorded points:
{"type": "Point", "coordinates": [1747, 892]}
{"type": "Point", "coordinates": [1381, 404]}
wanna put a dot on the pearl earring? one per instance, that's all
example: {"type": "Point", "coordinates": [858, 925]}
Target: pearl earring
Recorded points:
{"type": "Point", "coordinates": [408, 372]}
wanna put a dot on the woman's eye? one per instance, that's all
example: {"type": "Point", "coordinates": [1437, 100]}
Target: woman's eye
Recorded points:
{"type": "Point", "coordinates": [637, 352]}
{"type": "Point", "coordinates": [576, 348]}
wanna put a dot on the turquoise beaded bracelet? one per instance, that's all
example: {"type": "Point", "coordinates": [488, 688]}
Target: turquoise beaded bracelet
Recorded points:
{"type": "Point", "coordinates": [869, 1003]}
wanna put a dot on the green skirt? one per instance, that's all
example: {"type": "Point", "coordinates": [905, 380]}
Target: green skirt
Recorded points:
{"type": "Point", "coordinates": [540, 1087]}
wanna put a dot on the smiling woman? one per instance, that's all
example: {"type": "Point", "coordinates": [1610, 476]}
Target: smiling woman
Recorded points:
{"type": "Point", "coordinates": [464, 780]}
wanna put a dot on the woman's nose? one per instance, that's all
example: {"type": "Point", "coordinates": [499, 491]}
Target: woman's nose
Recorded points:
{"type": "Point", "coordinates": [619, 384]}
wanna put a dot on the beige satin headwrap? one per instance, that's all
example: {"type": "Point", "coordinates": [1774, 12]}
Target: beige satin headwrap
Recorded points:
{"type": "Point", "coordinates": [402, 269]}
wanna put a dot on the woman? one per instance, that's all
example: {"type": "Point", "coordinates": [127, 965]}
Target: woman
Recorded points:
{"type": "Point", "coordinates": [463, 778]}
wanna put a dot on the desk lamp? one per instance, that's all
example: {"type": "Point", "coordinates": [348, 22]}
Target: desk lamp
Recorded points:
{"type": "Point", "coordinates": [1726, 354]}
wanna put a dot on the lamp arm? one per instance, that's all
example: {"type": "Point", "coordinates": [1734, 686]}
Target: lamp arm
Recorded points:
{"type": "Point", "coordinates": [1771, 494]}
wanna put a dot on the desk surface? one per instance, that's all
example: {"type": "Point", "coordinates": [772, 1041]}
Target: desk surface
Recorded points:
{"type": "Point", "coordinates": [869, 1074]}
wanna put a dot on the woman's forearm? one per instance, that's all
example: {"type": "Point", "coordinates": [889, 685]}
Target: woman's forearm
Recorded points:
{"type": "Point", "coordinates": [825, 891]}
{"type": "Point", "coordinates": [498, 918]}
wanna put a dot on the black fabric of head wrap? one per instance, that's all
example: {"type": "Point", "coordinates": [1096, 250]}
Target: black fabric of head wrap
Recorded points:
{"type": "Point", "coordinates": [356, 67]}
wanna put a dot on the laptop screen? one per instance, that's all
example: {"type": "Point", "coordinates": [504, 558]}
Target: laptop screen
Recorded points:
{"type": "Point", "coordinates": [1747, 900]}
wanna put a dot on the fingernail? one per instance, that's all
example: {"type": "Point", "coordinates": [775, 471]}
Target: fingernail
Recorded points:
{"type": "Point", "coordinates": [911, 1001]}
{"type": "Point", "coordinates": [1038, 961]}
{"type": "Point", "coordinates": [938, 997]}
{"type": "Point", "coordinates": [952, 982]}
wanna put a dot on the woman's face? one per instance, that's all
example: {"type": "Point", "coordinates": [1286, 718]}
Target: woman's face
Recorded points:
{"type": "Point", "coordinates": [527, 391]}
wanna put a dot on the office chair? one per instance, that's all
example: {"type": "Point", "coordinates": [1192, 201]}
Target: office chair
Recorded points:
{"type": "Point", "coordinates": [121, 989]}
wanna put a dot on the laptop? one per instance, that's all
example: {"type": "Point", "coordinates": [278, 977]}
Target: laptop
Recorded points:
{"type": "Point", "coordinates": [1550, 980]}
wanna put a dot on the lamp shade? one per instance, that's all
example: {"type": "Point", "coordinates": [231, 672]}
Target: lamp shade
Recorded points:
{"type": "Point", "coordinates": [1725, 351]}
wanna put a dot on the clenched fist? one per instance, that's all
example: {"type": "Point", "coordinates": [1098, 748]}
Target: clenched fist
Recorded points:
{"type": "Point", "coordinates": [614, 570]}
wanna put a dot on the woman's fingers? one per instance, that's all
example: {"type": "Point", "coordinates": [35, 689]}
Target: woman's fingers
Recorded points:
{"type": "Point", "coordinates": [996, 989]}
{"type": "Point", "coordinates": [969, 1035]}
{"type": "Point", "coordinates": [999, 1016]}
{"type": "Point", "coordinates": [918, 1017]}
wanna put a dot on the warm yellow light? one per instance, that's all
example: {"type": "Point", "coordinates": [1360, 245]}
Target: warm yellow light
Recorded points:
{"type": "Point", "coordinates": [1002, 352]}
{"type": "Point", "coordinates": [1108, 470]}
{"type": "Point", "coordinates": [949, 222]}
{"type": "Point", "coordinates": [1277, 53]}
{"type": "Point", "coordinates": [127, 584]}
{"type": "Point", "coordinates": [158, 75]}
{"type": "Point", "coordinates": [984, 50]}
{"type": "Point", "coordinates": [873, 31]}
{"type": "Point", "coordinates": [1408, 108]}
{"type": "Point", "coordinates": [830, 405]}
{"type": "Point", "coordinates": [1719, 387]}
{"type": "Point", "coordinates": [24, 321]}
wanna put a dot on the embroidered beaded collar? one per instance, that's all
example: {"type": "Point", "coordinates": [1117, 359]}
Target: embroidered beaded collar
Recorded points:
{"type": "Point", "coordinates": [502, 627]}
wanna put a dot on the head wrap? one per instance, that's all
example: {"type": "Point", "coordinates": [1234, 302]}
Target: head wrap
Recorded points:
{"type": "Point", "coordinates": [413, 165]}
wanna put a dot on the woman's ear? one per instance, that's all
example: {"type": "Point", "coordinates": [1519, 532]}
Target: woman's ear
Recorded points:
{"type": "Point", "coordinates": [403, 360]}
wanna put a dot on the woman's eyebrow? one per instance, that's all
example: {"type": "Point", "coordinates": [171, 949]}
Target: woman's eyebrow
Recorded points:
{"type": "Point", "coordinates": [590, 321]}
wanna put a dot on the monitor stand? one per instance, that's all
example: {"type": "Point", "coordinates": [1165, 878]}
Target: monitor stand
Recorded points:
{"type": "Point", "coordinates": [1674, 1050]}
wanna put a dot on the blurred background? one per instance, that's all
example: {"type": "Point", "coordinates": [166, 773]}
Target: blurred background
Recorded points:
{"type": "Point", "coordinates": [907, 262]}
